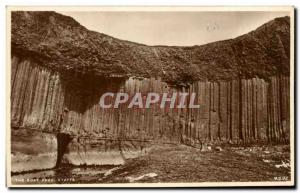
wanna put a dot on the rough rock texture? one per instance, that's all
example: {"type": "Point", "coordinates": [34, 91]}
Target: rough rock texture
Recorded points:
{"type": "Point", "coordinates": [60, 42]}
{"type": "Point", "coordinates": [246, 109]}
{"type": "Point", "coordinates": [242, 86]}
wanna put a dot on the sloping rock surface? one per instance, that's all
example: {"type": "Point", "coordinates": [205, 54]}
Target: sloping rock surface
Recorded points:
{"type": "Point", "coordinates": [59, 42]}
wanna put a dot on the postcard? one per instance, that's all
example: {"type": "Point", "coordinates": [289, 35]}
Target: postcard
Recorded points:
{"type": "Point", "coordinates": [150, 96]}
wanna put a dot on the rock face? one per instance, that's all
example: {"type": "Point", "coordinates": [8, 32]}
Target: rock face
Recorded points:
{"type": "Point", "coordinates": [59, 42]}
{"type": "Point", "coordinates": [242, 86]}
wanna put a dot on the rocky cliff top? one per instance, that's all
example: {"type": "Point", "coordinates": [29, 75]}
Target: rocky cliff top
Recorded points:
{"type": "Point", "coordinates": [61, 43]}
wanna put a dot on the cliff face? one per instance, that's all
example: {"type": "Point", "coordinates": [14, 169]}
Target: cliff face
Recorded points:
{"type": "Point", "coordinates": [59, 42]}
{"type": "Point", "coordinates": [242, 86]}
{"type": "Point", "coordinates": [245, 109]}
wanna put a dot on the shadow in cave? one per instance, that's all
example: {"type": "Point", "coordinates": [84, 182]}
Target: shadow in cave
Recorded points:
{"type": "Point", "coordinates": [83, 91]}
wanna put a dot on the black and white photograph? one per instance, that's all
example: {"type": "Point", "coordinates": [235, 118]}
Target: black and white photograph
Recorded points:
{"type": "Point", "coordinates": [150, 96]}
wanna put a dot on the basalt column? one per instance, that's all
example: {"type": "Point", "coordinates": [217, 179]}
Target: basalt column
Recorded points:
{"type": "Point", "coordinates": [239, 110]}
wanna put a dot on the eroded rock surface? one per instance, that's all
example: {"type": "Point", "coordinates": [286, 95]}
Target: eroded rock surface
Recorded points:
{"type": "Point", "coordinates": [242, 86]}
